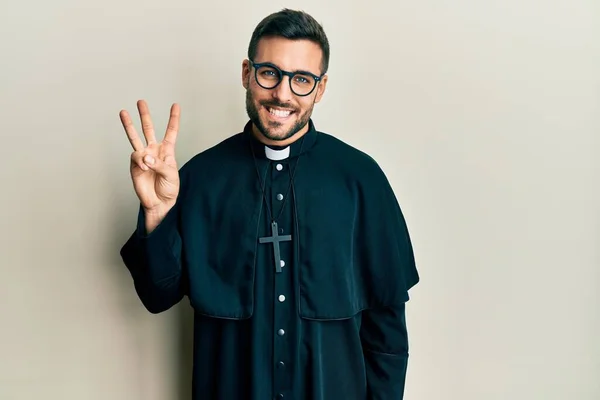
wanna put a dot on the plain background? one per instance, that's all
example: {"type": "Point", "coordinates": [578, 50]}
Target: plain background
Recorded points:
{"type": "Point", "coordinates": [485, 115]}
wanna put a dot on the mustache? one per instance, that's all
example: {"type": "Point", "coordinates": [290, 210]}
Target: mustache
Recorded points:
{"type": "Point", "coordinates": [265, 103]}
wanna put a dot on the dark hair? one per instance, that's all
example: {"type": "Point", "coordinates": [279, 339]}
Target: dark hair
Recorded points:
{"type": "Point", "coordinates": [291, 24]}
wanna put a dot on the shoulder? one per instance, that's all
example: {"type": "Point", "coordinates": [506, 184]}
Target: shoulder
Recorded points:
{"type": "Point", "coordinates": [349, 159]}
{"type": "Point", "coordinates": [221, 155]}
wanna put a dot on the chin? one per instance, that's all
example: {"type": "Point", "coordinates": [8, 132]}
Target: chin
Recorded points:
{"type": "Point", "coordinates": [278, 130]}
{"type": "Point", "coordinates": [277, 134]}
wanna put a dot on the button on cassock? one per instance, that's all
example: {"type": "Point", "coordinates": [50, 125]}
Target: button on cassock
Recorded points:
{"type": "Point", "coordinates": [281, 332]}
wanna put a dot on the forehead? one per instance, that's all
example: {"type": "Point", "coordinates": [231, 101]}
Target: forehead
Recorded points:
{"type": "Point", "coordinates": [289, 54]}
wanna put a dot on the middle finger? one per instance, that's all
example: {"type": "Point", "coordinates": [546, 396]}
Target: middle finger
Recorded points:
{"type": "Point", "coordinates": [147, 126]}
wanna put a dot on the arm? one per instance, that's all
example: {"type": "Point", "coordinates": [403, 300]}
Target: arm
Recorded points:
{"type": "Point", "coordinates": [385, 345]}
{"type": "Point", "coordinates": [391, 260]}
{"type": "Point", "coordinates": [154, 261]}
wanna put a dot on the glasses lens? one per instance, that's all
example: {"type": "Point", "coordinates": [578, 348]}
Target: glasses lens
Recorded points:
{"type": "Point", "coordinates": [302, 84]}
{"type": "Point", "coordinates": [267, 77]}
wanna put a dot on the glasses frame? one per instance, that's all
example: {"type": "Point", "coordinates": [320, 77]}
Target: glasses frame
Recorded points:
{"type": "Point", "coordinates": [283, 73]}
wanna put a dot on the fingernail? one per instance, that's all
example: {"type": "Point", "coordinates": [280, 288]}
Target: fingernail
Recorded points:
{"type": "Point", "coordinates": [149, 160]}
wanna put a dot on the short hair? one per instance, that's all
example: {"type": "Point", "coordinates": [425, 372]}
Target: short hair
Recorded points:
{"type": "Point", "coordinates": [294, 25]}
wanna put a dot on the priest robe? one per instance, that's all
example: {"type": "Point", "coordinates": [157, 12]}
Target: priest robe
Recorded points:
{"type": "Point", "coordinates": [327, 321]}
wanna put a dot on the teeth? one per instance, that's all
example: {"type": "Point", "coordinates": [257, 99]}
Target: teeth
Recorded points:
{"type": "Point", "coordinates": [279, 113]}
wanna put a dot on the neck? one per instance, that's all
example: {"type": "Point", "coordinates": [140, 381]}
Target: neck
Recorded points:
{"type": "Point", "coordinates": [280, 143]}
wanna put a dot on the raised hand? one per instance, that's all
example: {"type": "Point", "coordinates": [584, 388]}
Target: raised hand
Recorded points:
{"type": "Point", "coordinates": [153, 167]}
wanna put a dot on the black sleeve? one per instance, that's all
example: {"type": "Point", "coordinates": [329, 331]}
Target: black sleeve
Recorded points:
{"type": "Point", "coordinates": [155, 262]}
{"type": "Point", "coordinates": [383, 331]}
{"type": "Point", "coordinates": [385, 345]}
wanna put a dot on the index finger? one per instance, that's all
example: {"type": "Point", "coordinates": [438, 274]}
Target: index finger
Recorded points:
{"type": "Point", "coordinates": [132, 135]}
{"type": "Point", "coordinates": [173, 125]}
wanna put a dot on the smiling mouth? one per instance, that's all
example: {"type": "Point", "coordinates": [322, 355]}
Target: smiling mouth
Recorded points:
{"type": "Point", "coordinates": [278, 112]}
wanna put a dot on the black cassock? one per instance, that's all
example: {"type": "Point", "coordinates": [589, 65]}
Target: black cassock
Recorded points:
{"type": "Point", "coordinates": [319, 315]}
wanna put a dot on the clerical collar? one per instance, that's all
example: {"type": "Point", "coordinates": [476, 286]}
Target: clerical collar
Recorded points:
{"type": "Point", "coordinates": [277, 153]}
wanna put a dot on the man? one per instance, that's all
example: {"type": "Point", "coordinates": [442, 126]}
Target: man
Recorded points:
{"type": "Point", "coordinates": [289, 243]}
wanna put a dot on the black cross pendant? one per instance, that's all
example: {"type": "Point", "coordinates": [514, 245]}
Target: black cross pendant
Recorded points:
{"type": "Point", "coordinates": [275, 239]}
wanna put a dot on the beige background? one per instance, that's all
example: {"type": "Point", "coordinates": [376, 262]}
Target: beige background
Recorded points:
{"type": "Point", "coordinates": [484, 114]}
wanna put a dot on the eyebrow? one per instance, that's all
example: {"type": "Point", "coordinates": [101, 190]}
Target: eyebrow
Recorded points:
{"type": "Point", "coordinates": [297, 71]}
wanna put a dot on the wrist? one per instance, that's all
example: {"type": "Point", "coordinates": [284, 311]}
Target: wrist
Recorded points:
{"type": "Point", "coordinates": [155, 216]}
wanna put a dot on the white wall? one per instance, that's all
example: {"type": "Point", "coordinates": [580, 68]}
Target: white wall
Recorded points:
{"type": "Point", "coordinates": [485, 115]}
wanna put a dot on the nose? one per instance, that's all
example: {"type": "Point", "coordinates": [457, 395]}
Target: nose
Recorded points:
{"type": "Point", "coordinates": [283, 92]}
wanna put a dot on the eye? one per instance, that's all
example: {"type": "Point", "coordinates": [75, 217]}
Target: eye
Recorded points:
{"type": "Point", "coordinates": [304, 80]}
{"type": "Point", "coordinates": [268, 72]}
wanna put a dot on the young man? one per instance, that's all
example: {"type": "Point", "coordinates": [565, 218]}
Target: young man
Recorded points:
{"type": "Point", "coordinates": [289, 243]}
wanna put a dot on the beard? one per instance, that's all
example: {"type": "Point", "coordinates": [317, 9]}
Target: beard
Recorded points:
{"type": "Point", "coordinates": [269, 128]}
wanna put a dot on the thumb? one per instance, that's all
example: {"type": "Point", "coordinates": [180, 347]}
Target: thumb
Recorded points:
{"type": "Point", "coordinates": [157, 165]}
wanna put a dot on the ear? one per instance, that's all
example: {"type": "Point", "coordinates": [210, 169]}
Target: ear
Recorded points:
{"type": "Point", "coordinates": [321, 88]}
{"type": "Point", "coordinates": [245, 74]}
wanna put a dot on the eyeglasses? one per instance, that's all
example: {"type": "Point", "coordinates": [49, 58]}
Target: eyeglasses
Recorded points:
{"type": "Point", "coordinates": [268, 76]}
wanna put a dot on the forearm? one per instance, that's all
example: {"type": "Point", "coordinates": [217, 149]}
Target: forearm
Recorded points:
{"type": "Point", "coordinates": [385, 343]}
{"type": "Point", "coordinates": [154, 261]}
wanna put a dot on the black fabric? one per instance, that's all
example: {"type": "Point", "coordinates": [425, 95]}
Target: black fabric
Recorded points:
{"type": "Point", "coordinates": [347, 273]}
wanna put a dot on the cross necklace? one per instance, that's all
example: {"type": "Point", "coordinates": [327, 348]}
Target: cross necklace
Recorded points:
{"type": "Point", "coordinates": [275, 238]}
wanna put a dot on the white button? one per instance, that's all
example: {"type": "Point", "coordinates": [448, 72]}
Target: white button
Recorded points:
{"type": "Point", "coordinates": [281, 298]}
{"type": "Point", "coordinates": [279, 196]}
{"type": "Point", "coordinates": [282, 263]}
{"type": "Point", "coordinates": [281, 332]}
{"type": "Point", "coordinates": [279, 167]}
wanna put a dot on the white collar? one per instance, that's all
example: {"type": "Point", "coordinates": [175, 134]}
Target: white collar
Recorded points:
{"type": "Point", "coordinates": [277, 154]}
